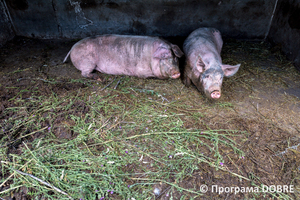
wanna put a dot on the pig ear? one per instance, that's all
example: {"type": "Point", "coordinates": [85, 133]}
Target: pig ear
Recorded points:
{"type": "Point", "coordinates": [200, 65]}
{"type": "Point", "coordinates": [230, 70]}
{"type": "Point", "coordinates": [162, 53]}
{"type": "Point", "coordinates": [177, 51]}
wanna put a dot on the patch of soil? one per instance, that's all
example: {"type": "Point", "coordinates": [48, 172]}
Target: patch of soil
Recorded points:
{"type": "Point", "coordinates": [262, 99]}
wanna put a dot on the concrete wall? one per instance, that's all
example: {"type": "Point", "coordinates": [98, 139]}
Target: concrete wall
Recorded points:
{"type": "Point", "coordinates": [243, 19]}
{"type": "Point", "coordinates": [285, 29]}
{"type": "Point", "coordinates": [246, 19]}
{"type": "Point", "coordinates": [6, 30]}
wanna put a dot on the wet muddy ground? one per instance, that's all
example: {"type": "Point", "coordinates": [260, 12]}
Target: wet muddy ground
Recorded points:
{"type": "Point", "coordinates": [261, 102]}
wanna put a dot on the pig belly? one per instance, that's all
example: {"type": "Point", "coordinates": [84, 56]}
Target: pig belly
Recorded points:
{"type": "Point", "coordinates": [121, 66]}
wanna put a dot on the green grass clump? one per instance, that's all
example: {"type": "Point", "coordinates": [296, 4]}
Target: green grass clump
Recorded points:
{"type": "Point", "coordinates": [122, 144]}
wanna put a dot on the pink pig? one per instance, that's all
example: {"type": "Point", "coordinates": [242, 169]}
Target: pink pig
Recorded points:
{"type": "Point", "coordinates": [203, 62]}
{"type": "Point", "coordinates": [141, 56]}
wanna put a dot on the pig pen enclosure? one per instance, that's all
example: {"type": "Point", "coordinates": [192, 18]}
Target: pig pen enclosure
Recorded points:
{"type": "Point", "coordinates": [67, 137]}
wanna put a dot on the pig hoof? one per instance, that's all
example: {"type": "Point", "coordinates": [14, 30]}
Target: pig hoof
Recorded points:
{"type": "Point", "coordinates": [215, 95]}
{"type": "Point", "coordinates": [102, 80]}
{"type": "Point", "coordinates": [96, 77]}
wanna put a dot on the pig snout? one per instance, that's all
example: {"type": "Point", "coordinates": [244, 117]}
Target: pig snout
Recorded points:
{"type": "Point", "coordinates": [213, 91]}
{"type": "Point", "coordinates": [174, 69]}
{"type": "Point", "coordinates": [175, 75]}
{"type": "Point", "coordinates": [216, 94]}
{"type": "Point", "coordinates": [170, 68]}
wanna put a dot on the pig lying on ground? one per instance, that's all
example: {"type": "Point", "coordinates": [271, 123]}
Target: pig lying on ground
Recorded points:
{"type": "Point", "coordinates": [141, 56]}
{"type": "Point", "coordinates": [203, 62]}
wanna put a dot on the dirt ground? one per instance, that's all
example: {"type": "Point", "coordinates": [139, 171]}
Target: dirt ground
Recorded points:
{"type": "Point", "coordinates": [263, 99]}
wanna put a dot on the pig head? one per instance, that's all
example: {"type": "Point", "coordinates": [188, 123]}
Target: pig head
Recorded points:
{"type": "Point", "coordinates": [168, 65]}
{"type": "Point", "coordinates": [204, 66]}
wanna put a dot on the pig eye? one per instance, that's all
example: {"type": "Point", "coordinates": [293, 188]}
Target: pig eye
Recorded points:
{"type": "Point", "coordinates": [206, 76]}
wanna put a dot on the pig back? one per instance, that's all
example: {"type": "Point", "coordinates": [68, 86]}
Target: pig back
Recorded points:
{"type": "Point", "coordinates": [204, 42]}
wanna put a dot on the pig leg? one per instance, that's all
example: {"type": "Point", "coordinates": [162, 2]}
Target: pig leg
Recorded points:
{"type": "Point", "coordinates": [192, 78]}
{"type": "Point", "coordinates": [186, 75]}
{"type": "Point", "coordinates": [86, 71]}
{"type": "Point", "coordinates": [196, 80]}
{"type": "Point", "coordinates": [186, 80]}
